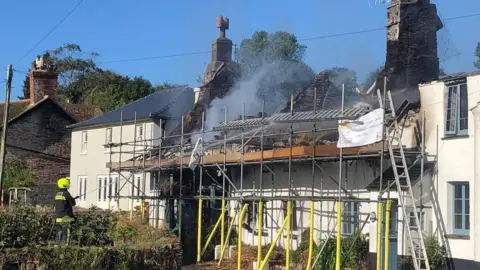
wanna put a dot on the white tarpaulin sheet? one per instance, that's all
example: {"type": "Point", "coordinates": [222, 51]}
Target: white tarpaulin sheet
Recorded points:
{"type": "Point", "coordinates": [365, 130]}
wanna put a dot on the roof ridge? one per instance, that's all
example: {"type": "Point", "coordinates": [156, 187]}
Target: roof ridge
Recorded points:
{"type": "Point", "coordinates": [147, 96]}
{"type": "Point", "coordinates": [172, 101]}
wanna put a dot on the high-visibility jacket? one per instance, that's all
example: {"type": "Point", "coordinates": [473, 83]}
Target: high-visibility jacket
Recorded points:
{"type": "Point", "coordinates": [64, 203]}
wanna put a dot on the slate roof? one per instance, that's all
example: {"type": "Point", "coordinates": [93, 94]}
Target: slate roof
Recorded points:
{"type": "Point", "coordinates": [79, 112]}
{"type": "Point", "coordinates": [166, 104]}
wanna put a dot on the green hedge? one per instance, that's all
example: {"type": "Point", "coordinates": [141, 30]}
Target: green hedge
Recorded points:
{"type": "Point", "coordinates": [99, 240]}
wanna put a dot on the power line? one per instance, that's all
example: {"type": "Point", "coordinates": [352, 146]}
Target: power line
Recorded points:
{"type": "Point", "coordinates": [305, 39]}
{"type": "Point", "coordinates": [51, 31]}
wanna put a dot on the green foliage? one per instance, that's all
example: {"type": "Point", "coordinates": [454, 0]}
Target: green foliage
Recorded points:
{"type": "Point", "coordinates": [264, 47]}
{"type": "Point", "coordinates": [82, 81]}
{"type": "Point", "coordinates": [345, 76]}
{"type": "Point", "coordinates": [16, 174]}
{"type": "Point", "coordinates": [354, 253]}
{"type": "Point", "coordinates": [99, 240]}
{"type": "Point", "coordinates": [477, 55]}
{"type": "Point", "coordinates": [436, 254]}
{"type": "Point", "coordinates": [274, 64]}
{"type": "Point", "coordinates": [371, 78]}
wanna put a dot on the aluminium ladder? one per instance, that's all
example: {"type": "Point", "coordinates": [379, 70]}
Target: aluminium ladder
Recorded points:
{"type": "Point", "coordinates": [404, 187]}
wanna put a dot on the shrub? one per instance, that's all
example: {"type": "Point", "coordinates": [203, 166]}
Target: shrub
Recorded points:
{"type": "Point", "coordinates": [99, 240]}
{"type": "Point", "coordinates": [436, 254]}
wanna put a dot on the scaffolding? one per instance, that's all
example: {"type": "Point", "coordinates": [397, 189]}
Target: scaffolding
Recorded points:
{"type": "Point", "coordinates": [248, 148]}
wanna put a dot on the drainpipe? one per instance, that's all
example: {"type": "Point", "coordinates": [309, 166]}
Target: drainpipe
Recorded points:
{"type": "Point", "coordinates": [476, 184]}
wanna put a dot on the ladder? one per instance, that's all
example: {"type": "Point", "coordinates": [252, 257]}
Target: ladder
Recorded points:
{"type": "Point", "coordinates": [404, 187]}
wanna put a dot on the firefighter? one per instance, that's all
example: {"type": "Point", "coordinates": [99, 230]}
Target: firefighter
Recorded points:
{"type": "Point", "coordinates": [64, 203]}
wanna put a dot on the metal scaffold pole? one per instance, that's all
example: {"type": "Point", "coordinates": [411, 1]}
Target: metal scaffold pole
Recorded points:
{"type": "Point", "coordinates": [222, 213]}
{"type": "Point", "coordinates": [179, 207]}
{"type": "Point", "coordinates": [120, 161]}
{"type": "Point", "coordinates": [338, 256]}
{"type": "Point", "coordinates": [312, 202]}
{"type": "Point", "coordinates": [260, 203]}
{"type": "Point", "coordinates": [200, 201]}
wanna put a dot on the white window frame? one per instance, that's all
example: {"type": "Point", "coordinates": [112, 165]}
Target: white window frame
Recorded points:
{"type": "Point", "coordinates": [139, 132]}
{"type": "Point", "coordinates": [456, 124]}
{"type": "Point", "coordinates": [84, 145]}
{"type": "Point", "coordinates": [82, 188]}
{"type": "Point", "coordinates": [108, 135]}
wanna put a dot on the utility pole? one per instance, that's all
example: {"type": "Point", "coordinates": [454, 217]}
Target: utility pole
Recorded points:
{"type": "Point", "coordinates": [5, 125]}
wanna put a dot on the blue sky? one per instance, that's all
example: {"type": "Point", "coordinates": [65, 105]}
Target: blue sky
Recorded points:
{"type": "Point", "coordinates": [129, 29]}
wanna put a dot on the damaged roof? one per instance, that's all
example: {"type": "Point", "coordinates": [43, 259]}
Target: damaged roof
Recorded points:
{"type": "Point", "coordinates": [166, 104]}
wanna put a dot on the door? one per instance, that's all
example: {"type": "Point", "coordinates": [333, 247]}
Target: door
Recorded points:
{"type": "Point", "coordinates": [393, 236]}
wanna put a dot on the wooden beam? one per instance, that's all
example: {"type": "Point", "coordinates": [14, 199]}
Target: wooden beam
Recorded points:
{"type": "Point", "coordinates": [328, 150]}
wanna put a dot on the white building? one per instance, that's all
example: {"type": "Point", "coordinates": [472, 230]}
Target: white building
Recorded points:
{"type": "Point", "coordinates": [452, 115]}
{"type": "Point", "coordinates": [138, 126]}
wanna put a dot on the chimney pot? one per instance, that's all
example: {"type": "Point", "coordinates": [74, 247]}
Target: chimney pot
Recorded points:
{"type": "Point", "coordinates": [43, 81]}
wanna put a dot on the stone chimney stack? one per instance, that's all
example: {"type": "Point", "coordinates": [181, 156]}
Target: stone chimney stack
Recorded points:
{"type": "Point", "coordinates": [43, 80]}
{"type": "Point", "coordinates": [222, 46]}
{"type": "Point", "coordinates": [412, 58]}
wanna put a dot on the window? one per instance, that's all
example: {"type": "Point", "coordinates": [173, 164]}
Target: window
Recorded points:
{"type": "Point", "coordinates": [99, 188]}
{"type": "Point", "coordinates": [139, 132]}
{"type": "Point", "coordinates": [108, 135]}
{"type": "Point", "coordinates": [115, 179]}
{"type": "Point", "coordinates": [84, 141]}
{"type": "Point", "coordinates": [138, 189]}
{"type": "Point", "coordinates": [421, 219]}
{"type": "Point", "coordinates": [82, 188]}
{"type": "Point", "coordinates": [105, 186]}
{"type": "Point", "coordinates": [293, 218]}
{"type": "Point", "coordinates": [461, 208]}
{"type": "Point", "coordinates": [154, 181]}
{"type": "Point", "coordinates": [349, 218]}
{"type": "Point", "coordinates": [456, 121]}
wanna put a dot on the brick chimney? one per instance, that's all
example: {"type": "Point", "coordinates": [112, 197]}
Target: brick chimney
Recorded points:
{"type": "Point", "coordinates": [43, 80]}
{"type": "Point", "coordinates": [222, 46]}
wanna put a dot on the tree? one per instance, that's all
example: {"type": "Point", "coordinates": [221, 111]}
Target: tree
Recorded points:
{"type": "Point", "coordinates": [82, 81]}
{"type": "Point", "coordinates": [371, 78]}
{"type": "Point", "coordinates": [72, 65]}
{"type": "Point", "coordinates": [16, 174]}
{"type": "Point", "coordinates": [441, 72]}
{"type": "Point", "coordinates": [343, 76]}
{"type": "Point", "coordinates": [274, 65]}
{"type": "Point", "coordinates": [477, 54]}
{"type": "Point", "coordinates": [263, 47]}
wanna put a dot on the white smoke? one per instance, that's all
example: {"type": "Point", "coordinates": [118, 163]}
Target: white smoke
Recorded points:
{"type": "Point", "coordinates": [248, 92]}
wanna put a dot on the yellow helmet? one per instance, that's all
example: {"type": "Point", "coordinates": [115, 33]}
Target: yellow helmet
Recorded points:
{"type": "Point", "coordinates": [63, 183]}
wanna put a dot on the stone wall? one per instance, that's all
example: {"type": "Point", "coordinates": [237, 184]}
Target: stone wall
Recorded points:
{"type": "Point", "coordinates": [411, 44]}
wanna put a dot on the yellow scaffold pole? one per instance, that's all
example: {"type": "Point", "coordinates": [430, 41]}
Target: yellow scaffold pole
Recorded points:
{"type": "Point", "coordinates": [289, 228]}
{"type": "Point", "coordinates": [379, 234]}
{"type": "Point", "coordinates": [142, 210]}
{"type": "Point", "coordinates": [212, 233]}
{"type": "Point", "coordinates": [272, 245]}
{"type": "Point", "coordinates": [387, 233]}
{"type": "Point", "coordinates": [338, 257]}
{"type": "Point", "coordinates": [239, 245]}
{"type": "Point", "coordinates": [222, 230]}
{"type": "Point", "coordinates": [199, 231]}
{"type": "Point", "coordinates": [310, 241]}
{"type": "Point", "coordinates": [230, 228]}
{"type": "Point", "coordinates": [131, 209]}
{"type": "Point", "coordinates": [260, 231]}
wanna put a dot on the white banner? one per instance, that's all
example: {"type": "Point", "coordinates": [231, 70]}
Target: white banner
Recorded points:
{"type": "Point", "coordinates": [365, 130]}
